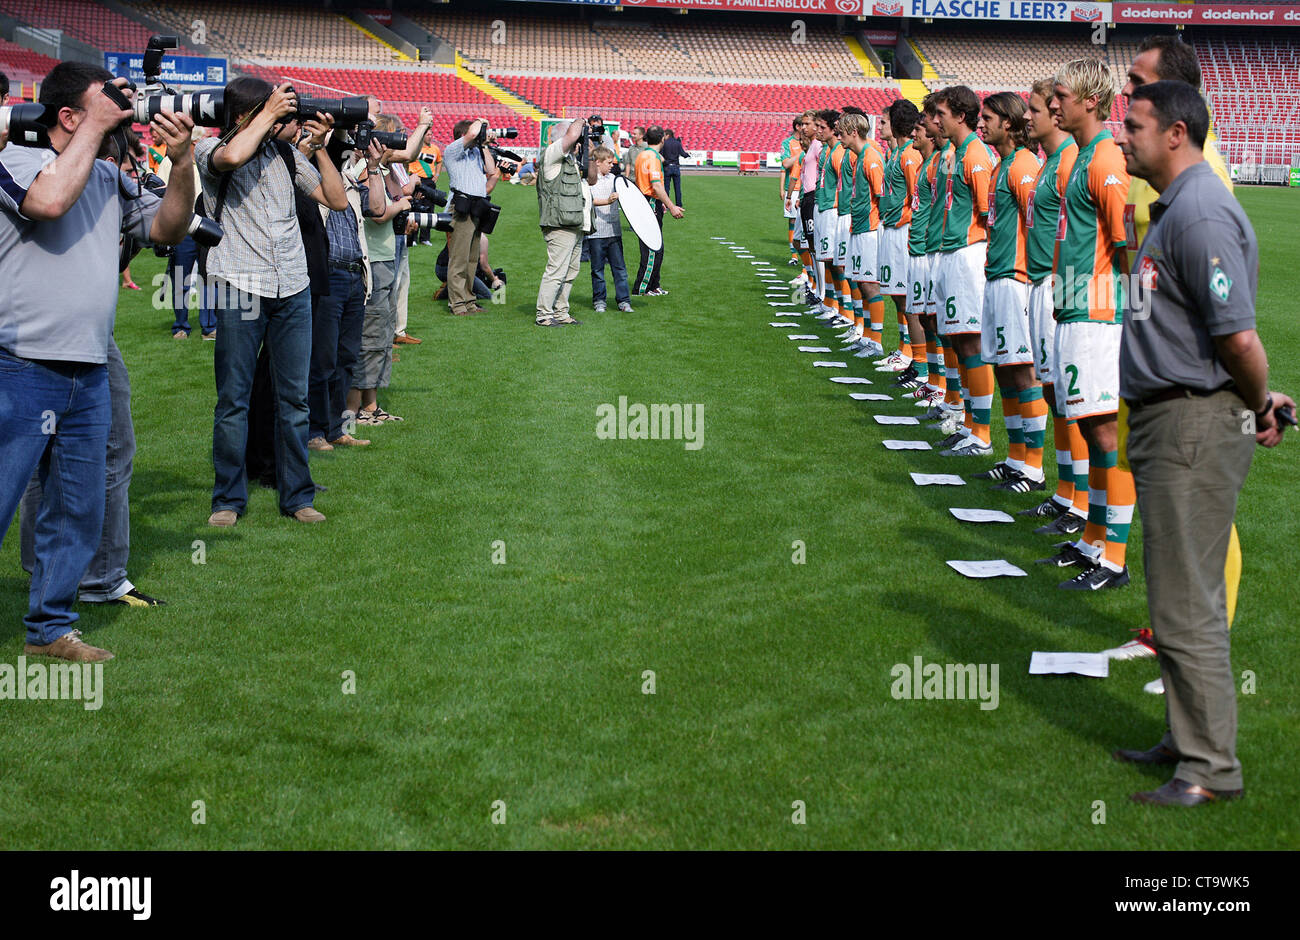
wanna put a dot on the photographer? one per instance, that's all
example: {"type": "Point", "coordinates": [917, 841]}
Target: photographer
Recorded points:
{"type": "Point", "coordinates": [471, 172]}
{"type": "Point", "coordinates": [261, 280]}
{"type": "Point", "coordinates": [56, 203]}
{"type": "Point", "coordinates": [564, 213]}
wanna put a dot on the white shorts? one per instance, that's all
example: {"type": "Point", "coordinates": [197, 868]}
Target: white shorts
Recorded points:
{"type": "Point", "coordinates": [918, 282]}
{"type": "Point", "coordinates": [931, 265]}
{"type": "Point", "coordinates": [1042, 331]}
{"type": "Point", "coordinates": [862, 256]}
{"type": "Point", "coordinates": [842, 228]}
{"type": "Point", "coordinates": [1004, 330]}
{"type": "Point", "coordinates": [824, 234]}
{"type": "Point", "coordinates": [788, 209]}
{"type": "Point", "coordinates": [1087, 363]}
{"type": "Point", "coordinates": [893, 260]}
{"type": "Point", "coordinates": [959, 289]}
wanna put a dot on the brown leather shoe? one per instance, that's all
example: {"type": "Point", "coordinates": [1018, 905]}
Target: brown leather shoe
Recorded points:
{"type": "Point", "coordinates": [1156, 755]}
{"type": "Point", "coordinates": [1181, 793]}
{"type": "Point", "coordinates": [224, 518]}
{"type": "Point", "coordinates": [347, 440]}
{"type": "Point", "coordinates": [409, 340]}
{"type": "Point", "coordinates": [319, 443]}
{"type": "Point", "coordinates": [308, 514]}
{"type": "Point", "coordinates": [70, 646]}
{"type": "Point", "coordinates": [466, 312]}
{"type": "Point", "coordinates": [396, 358]}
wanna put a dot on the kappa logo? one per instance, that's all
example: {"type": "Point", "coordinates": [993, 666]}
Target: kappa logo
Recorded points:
{"type": "Point", "coordinates": [1112, 180]}
{"type": "Point", "coordinates": [1022, 350]}
{"type": "Point", "coordinates": [979, 168]}
{"type": "Point", "coordinates": [1026, 179]}
{"type": "Point", "coordinates": [973, 321]}
{"type": "Point", "coordinates": [1220, 284]}
{"type": "Point", "coordinates": [1105, 396]}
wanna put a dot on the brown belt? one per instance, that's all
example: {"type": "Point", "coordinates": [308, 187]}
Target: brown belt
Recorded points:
{"type": "Point", "coordinates": [1178, 391]}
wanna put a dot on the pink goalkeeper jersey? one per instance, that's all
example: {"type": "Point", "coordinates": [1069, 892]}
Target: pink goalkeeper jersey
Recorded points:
{"type": "Point", "coordinates": [808, 182]}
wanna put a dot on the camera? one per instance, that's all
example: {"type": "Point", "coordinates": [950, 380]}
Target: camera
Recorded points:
{"type": "Point", "coordinates": [393, 140]}
{"type": "Point", "coordinates": [204, 108]}
{"type": "Point", "coordinates": [205, 231]}
{"type": "Point", "coordinates": [426, 191]}
{"type": "Point", "coordinates": [424, 201]}
{"type": "Point", "coordinates": [508, 133]}
{"type": "Point", "coordinates": [27, 124]}
{"type": "Point", "coordinates": [441, 221]}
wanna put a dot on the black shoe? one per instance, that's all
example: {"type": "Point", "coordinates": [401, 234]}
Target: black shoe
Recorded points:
{"type": "Point", "coordinates": [1094, 579]}
{"type": "Point", "coordinates": [137, 598]}
{"type": "Point", "coordinates": [906, 379]}
{"type": "Point", "coordinates": [1067, 523]}
{"type": "Point", "coordinates": [1067, 556]}
{"type": "Point", "coordinates": [1181, 793]}
{"type": "Point", "coordinates": [1047, 509]}
{"type": "Point", "coordinates": [952, 440]}
{"type": "Point", "coordinates": [999, 471]}
{"type": "Point", "coordinates": [1019, 483]}
{"type": "Point", "coordinates": [1156, 755]}
{"type": "Point", "coordinates": [811, 299]}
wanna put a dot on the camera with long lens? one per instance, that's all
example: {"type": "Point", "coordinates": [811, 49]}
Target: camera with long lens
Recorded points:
{"type": "Point", "coordinates": [508, 133]}
{"type": "Point", "coordinates": [425, 202]}
{"type": "Point", "coordinates": [347, 112]}
{"type": "Point", "coordinates": [204, 108]}
{"type": "Point", "coordinates": [28, 124]}
{"type": "Point", "coordinates": [393, 140]}
{"type": "Point", "coordinates": [438, 221]}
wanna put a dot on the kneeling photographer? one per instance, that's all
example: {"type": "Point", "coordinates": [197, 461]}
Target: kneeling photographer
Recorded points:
{"type": "Point", "coordinates": [59, 202]}
{"type": "Point", "coordinates": [261, 288]}
{"type": "Point", "coordinates": [564, 214]}
{"type": "Point", "coordinates": [472, 172]}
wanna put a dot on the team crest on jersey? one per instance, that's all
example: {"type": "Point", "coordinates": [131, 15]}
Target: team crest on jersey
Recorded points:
{"type": "Point", "coordinates": [1220, 284]}
{"type": "Point", "coordinates": [1112, 180]}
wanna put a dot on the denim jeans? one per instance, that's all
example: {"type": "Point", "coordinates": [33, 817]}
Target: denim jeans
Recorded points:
{"type": "Point", "coordinates": [184, 258]}
{"type": "Point", "coordinates": [244, 322]}
{"type": "Point", "coordinates": [611, 250]}
{"type": "Point", "coordinates": [55, 416]}
{"type": "Point", "coordinates": [673, 179]}
{"type": "Point", "coordinates": [105, 579]}
{"type": "Point", "coordinates": [335, 347]}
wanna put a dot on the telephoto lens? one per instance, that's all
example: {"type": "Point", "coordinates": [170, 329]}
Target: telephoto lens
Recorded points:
{"type": "Point", "coordinates": [205, 108]}
{"type": "Point", "coordinates": [441, 221]}
{"type": "Point", "coordinates": [347, 112]}
{"type": "Point", "coordinates": [509, 133]}
{"type": "Point", "coordinates": [26, 124]}
{"type": "Point", "coordinates": [205, 231]}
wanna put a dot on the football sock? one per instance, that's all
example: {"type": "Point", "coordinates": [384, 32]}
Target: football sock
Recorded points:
{"type": "Point", "coordinates": [1033, 423]}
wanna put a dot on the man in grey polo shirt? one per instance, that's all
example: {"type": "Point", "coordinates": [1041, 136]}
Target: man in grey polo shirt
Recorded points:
{"type": "Point", "coordinates": [469, 169]}
{"type": "Point", "coordinates": [62, 212]}
{"type": "Point", "coordinates": [1195, 378]}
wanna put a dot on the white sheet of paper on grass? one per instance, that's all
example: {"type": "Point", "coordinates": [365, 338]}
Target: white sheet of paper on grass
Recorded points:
{"type": "Point", "coordinates": [802, 336]}
{"type": "Point", "coordinates": [869, 396]}
{"type": "Point", "coordinates": [784, 323]}
{"type": "Point", "coordinates": [937, 479]}
{"type": "Point", "coordinates": [981, 515]}
{"type": "Point", "coordinates": [782, 303]}
{"type": "Point", "coordinates": [995, 568]}
{"type": "Point", "coordinates": [823, 364]}
{"type": "Point", "coordinates": [907, 445]}
{"type": "Point", "coordinates": [817, 349]}
{"type": "Point", "coordinates": [895, 419]}
{"type": "Point", "coordinates": [850, 380]}
{"type": "Point", "coordinates": [1095, 665]}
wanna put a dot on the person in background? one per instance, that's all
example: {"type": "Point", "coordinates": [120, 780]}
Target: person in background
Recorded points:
{"type": "Point", "coordinates": [672, 152]}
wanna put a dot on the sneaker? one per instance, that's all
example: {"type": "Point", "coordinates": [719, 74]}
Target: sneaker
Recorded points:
{"type": "Point", "coordinates": [952, 423]}
{"type": "Point", "coordinates": [383, 415]}
{"type": "Point", "coordinates": [952, 440]}
{"type": "Point", "coordinates": [319, 443]}
{"type": "Point", "coordinates": [1094, 579]}
{"type": "Point", "coordinates": [801, 279]}
{"type": "Point", "coordinates": [1142, 646]}
{"type": "Point", "coordinates": [999, 471]}
{"type": "Point", "coordinates": [810, 299]}
{"type": "Point", "coordinates": [70, 646]}
{"type": "Point", "coordinates": [1020, 484]}
{"type": "Point", "coordinates": [180, 334]}
{"type": "Point", "coordinates": [935, 416]}
{"type": "Point", "coordinates": [1067, 556]}
{"type": "Point", "coordinates": [1047, 509]}
{"type": "Point", "coordinates": [224, 518]}
{"type": "Point", "coordinates": [657, 292]}
{"type": "Point", "coordinates": [567, 320]}
{"type": "Point", "coordinates": [599, 307]}
{"type": "Point", "coordinates": [137, 598]}
{"type": "Point", "coordinates": [626, 307]}
{"type": "Point", "coordinates": [1067, 523]}
{"type": "Point", "coordinates": [347, 440]}
{"type": "Point", "coordinates": [308, 514]}
{"type": "Point", "coordinates": [210, 336]}
{"type": "Point", "coordinates": [550, 321]}
{"type": "Point", "coordinates": [895, 362]}
{"type": "Point", "coordinates": [907, 379]}
{"type": "Point", "coordinates": [368, 418]}
{"type": "Point", "coordinates": [871, 349]}
{"type": "Point", "coordinates": [971, 447]}
{"type": "Point", "coordinates": [1155, 687]}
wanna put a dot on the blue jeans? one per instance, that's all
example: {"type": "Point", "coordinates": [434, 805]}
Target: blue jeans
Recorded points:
{"type": "Point", "coordinates": [55, 416]}
{"type": "Point", "coordinates": [335, 346]}
{"type": "Point", "coordinates": [105, 579]}
{"type": "Point", "coordinates": [185, 257]}
{"type": "Point", "coordinates": [244, 321]}
{"type": "Point", "coordinates": [611, 250]}
{"type": "Point", "coordinates": [673, 178]}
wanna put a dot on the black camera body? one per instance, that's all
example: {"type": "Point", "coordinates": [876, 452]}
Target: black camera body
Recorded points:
{"type": "Point", "coordinates": [393, 140]}
{"type": "Point", "coordinates": [506, 133]}
{"type": "Point", "coordinates": [28, 124]}
{"type": "Point", "coordinates": [425, 202]}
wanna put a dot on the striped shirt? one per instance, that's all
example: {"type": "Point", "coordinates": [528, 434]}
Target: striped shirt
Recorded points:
{"type": "Point", "coordinates": [341, 228]}
{"type": "Point", "coordinates": [262, 251]}
{"type": "Point", "coordinates": [465, 170]}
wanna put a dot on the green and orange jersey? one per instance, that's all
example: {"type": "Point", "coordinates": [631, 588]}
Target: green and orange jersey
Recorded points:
{"type": "Point", "coordinates": [966, 196]}
{"type": "Point", "coordinates": [790, 147]}
{"type": "Point", "coordinates": [869, 179]}
{"type": "Point", "coordinates": [922, 205]}
{"type": "Point", "coordinates": [796, 174]}
{"type": "Point", "coordinates": [1045, 208]}
{"type": "Point", "coordinates": [1090, 235]}
{"type": "Point", "coordinates": [649, 170]}
{"type": "Point", "coordinates": [1013, 187]}
{"type": "Point", "coordinates": [845, 195]}
{"type": "Point", "coordinates": [828, 174]}
{"type": "Point", "coordinates": [900, 182]}
{"type": "Point", "coordinates": [938, 193]}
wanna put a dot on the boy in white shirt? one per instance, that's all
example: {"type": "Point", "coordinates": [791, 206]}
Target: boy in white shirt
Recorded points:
{"type": "Point", "coordinates": [605, 243]}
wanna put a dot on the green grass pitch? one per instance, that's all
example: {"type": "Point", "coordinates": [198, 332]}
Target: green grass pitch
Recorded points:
{"type": "Point", "coordinates": [523, 682]}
